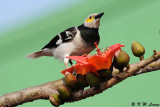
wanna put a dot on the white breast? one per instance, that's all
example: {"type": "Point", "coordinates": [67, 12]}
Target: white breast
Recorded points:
{"type": "Point", "coordinates": [76, 47]}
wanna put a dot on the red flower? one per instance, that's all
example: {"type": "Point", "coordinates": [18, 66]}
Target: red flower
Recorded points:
{"type": "Point", "coordinates": [89, 63]}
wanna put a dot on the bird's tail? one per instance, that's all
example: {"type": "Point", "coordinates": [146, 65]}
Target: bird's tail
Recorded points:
{"type": "Point", "coordinates": [35, 55]}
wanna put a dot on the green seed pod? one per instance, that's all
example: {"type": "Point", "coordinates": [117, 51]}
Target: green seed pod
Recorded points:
{"type": "Point", "coordinates": [64, 92]}
{"type": "Point", "coordinates": [121, 59]}
{"type": "Point", "coordinates": [55, 99]}
{"type": "Point", "coordinates": [82, 80]}
{"type": "Point", "coordinates": [71, 81]}
{"type": "Point", "coordinates": [105, 73]}
{"type": "Point", "coordinates": [92, 79]}
{"type": "Point", "coordinates": [137, 49]}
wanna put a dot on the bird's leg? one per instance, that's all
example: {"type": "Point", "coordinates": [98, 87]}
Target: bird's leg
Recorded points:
{"type": "Point", "coordinates": [66, 62]}
{"type": "Point", "coordinates": [74, 73]}
{"type": "Point", "coordinates": [71, 63]}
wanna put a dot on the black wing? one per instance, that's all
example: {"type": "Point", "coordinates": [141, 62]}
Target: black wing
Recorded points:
{"type": "Point", "coordinates": [66, 36]}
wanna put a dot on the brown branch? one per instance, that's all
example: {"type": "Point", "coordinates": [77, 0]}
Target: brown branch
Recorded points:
{"type": "Point", "coordinates": [30, 94]}
{"type": "Point", "coordinates": [43, 91]}
{"type": "Point", "coordinates": [151, 67]}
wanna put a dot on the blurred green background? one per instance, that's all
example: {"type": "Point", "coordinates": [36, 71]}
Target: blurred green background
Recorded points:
{"type": "Point", "coordinates": [124, 21]}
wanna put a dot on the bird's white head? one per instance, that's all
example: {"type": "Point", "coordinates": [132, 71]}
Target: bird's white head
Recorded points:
{"type": "Point", "coordinates": [93, 20]}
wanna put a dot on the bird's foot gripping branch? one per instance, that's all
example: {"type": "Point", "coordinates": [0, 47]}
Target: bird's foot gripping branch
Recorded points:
{"type": "Point", "coordinates": [100, 71]}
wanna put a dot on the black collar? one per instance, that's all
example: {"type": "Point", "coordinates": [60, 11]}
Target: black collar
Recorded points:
{"type": "Point", "coordinates": [84, 27]}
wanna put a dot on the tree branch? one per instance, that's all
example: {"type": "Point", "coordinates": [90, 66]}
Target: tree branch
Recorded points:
{"type": "Point", "coordinates": [45, 90]}
{"type": "Point", "coordinates": [30, 94]}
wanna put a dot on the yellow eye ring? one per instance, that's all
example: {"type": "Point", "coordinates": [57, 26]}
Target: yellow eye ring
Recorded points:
{"type": "Point", "coordinates": [89, 19]}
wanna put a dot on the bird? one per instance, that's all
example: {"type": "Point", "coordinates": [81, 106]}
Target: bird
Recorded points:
{"type": "Point", "coordinates": [74, 41]}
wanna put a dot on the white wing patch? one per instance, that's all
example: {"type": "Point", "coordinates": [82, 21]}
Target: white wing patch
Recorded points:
{"type": "Point", "coordinates": [69, 35]}
{"type": "Point", "coordinates": [59, 41]}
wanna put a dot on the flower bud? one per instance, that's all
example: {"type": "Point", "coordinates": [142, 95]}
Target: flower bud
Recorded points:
{"type": "Point", "coordinates": [64, 92]}
{"type": "Point", "coordinates": [71, 81]}
{"type": "Point", "coordinates": [82, 80]}
{"type": "Point", "coordinates": [55, 99]}
{"type": "Point", "coordinates": [121, 59]}
{"type": "Point", "coordinates": [137, 49]}
{"type": "Point", "coordinates": [92, 79]}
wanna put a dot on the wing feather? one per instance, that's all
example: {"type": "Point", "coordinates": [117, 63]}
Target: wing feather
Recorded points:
{"type": "Point", "coordinates": [65, 36]}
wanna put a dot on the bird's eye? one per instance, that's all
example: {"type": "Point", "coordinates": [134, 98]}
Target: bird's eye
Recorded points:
{"type": "Point", "coordinates": [89, 19]}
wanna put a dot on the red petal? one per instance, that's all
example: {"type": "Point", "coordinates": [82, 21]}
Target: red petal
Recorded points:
{"type": "Point", "coordinates": [115, 46]}
{"type": "Point", "coordinates": [99, 62]}
{"type": "Point", "coordinates": [80, 59]}
{"type": "Point", "coordinates": [85, 68]}
{"type": "Point", "coordinates": [70, 70]}
{"type": "Point", "coordinates": [111, 52]}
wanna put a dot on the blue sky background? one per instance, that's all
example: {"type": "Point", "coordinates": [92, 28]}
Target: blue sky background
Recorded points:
{"type": "Point", "coordinates": [19, 12]}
